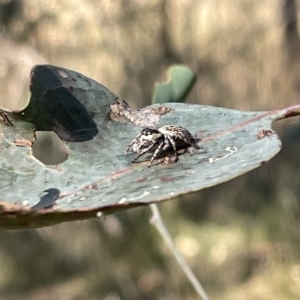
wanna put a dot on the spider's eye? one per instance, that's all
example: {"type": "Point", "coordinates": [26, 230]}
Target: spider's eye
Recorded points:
{"type": "Point", "coordinates": [149, 134]}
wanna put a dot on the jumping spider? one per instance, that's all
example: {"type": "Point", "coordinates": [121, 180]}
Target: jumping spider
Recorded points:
{"type": "Point", "coordinates": [163, 138]}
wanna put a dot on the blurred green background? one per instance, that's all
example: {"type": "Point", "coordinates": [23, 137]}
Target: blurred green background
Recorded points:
{"type": "Point", "coordinates": [241, 238]}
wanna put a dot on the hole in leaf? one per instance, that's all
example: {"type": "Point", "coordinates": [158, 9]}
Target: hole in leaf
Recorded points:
{"type": "Point", "coordinates": [48, 148]}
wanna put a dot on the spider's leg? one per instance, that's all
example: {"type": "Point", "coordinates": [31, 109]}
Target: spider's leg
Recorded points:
{"type": "Point", "coordinates": [129, 146]}
{"type": "Point", "coordinates": [193, 143]}
{"type": "Point", "coordinates": [144, 151]}
{"type": "Point", "coordinates": [190, 140]}
{"type": "Point", "coordinates": [156, 152]}
{"type": "Point", "coordinates": [173, 144]}
{"type": "Point", "coordinates": [132, 142]}
{"type": "Point", "coordinates": [166, 144]}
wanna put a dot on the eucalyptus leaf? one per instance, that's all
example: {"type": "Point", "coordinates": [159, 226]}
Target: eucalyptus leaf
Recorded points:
{"type": "Point", "coordinates": [97, 178]}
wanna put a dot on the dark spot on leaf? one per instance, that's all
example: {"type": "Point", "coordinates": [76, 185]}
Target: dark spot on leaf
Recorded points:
{"type": "Point", "coordinates": [264, 132]}
{"type": "Point", "coordinates": [53, 107]}
{"type": "Point", "coordinates": [95, 186]}
{"type": "Point", "coordinates": [47, 201]}
{"type": "Point", "coordinates": [141, 179]}
{"type": "Point", "coordinates": [167, 178]}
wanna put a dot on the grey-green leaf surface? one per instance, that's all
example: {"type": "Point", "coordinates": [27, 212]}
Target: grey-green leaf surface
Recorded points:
{"type": "Point", "coordinates": [97, 178]}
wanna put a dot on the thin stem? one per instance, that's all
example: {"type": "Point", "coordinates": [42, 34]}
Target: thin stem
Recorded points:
{"type": "Point", "coordinates": [158, 223]}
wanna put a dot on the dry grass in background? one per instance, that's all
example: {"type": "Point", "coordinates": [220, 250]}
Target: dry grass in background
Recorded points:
{"type": "Point", "coordinates": [241, 238]}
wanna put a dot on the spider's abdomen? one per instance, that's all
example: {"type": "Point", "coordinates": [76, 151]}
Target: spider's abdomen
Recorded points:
{"type": "Point", "coordinates": [177, 133]}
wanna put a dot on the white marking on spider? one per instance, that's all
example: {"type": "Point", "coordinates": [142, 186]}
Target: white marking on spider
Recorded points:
{"type": "Point", "coordinates": [164, 138]}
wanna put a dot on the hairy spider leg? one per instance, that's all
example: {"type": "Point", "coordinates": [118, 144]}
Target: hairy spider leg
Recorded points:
{"type": "Point", "coordinates": [193, 143]}
{"type": "Point", "coordinates": [132, 142]}
{"type": "Point", "coordinates": [144, 151]}
{"type": "Point", "coordinates": [173, 144]}
{"type": "Point", "coordinates": [167, 144]}
{"type": "Point", "coordinates": [156, 152]}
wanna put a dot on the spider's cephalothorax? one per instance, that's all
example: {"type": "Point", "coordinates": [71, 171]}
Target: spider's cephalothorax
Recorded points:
{"type": "Point", "coordinates": [164, 138]}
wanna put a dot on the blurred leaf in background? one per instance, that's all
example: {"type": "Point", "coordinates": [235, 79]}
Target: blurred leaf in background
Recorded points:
{"type": "Point", "coordinates": [180, 81]}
